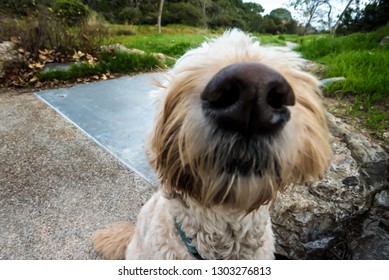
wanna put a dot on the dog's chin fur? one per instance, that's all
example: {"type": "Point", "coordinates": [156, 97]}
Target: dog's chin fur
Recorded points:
{"type": "Point", "coordinates": [217, 183]}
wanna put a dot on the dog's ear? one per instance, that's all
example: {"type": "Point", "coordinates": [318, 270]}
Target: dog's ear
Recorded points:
{"type": "Point", "coordinates": [164, 144]}
{"type": "Point", "coordinates": [313, 146]}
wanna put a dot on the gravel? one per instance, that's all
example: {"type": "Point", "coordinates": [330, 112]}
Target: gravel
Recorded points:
{"type": "Point", "coordinates": [57, 186]}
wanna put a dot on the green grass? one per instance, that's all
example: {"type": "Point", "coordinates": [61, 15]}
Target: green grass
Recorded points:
{"type": "Point", "coordinates": [364, 63]}
{"type": "Point", "coordinates": [265, 39]}
{"type": "Point", "coordinates": [175, 40]}
{"type": "Point", "coordinates": [173, 45]}
{"type": "Point", "coordinates": [366, 72]}
{"type": "Point", "coordinates": [119, 62]}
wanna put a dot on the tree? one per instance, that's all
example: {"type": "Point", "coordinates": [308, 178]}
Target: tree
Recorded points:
{"type": "Point", "coordinates": [204, 6]}
{"type": "Point", "coordinates": [160, 16]}
{"type": "Point", "coordinates": [341, 16]}
{"type": "Point", "coordinates": [372, 16]}
{"type": "Point", "coordinates": [281, 14]}
{"type": "Point", "coordinates": [308, 9]}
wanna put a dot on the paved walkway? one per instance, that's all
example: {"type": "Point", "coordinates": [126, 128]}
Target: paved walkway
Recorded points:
{"type": "Point", "coordinates": [57, 185]}
{"type": "Point", "coordinates": [117, 114]}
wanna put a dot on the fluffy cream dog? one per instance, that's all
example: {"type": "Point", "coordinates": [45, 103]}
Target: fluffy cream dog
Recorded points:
{"type": "Point", "coordinates": [236, 122]}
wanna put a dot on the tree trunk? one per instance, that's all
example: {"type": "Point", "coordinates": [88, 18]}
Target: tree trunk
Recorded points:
{"type": "Point", "coordinates": [329, 18]}
{"type": "Point", "coordinates": [341, 16]}
{"type": "Point", "coordinates": [160, 16]}
{"type": "Point", "coordinates": [311, 14]}
{"type": "Point", "coordinates": [204, 5]}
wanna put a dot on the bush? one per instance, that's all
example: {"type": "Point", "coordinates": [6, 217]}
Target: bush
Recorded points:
{"type": "Point", "coordinates": [37, 31]}
{"type": "Point", "coordinates": [18, 8]}
{"type": "Point", "coordinates": [182, 13]}
{"type": "Point", "coordinates": [43, 30]}
{"type": "Point", "coordinates": [72, 12]}
{"type": "Point", "coordinates": [130, 15]}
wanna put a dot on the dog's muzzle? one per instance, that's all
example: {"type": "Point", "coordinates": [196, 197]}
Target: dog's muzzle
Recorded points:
{"type": "Point", "coordinates": [248, 97]}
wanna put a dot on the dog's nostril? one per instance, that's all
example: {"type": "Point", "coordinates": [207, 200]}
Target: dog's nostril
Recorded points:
{"type": "Point", "coordinates": [228, 96]}
{"type": "Point", "coordinates": [278, 97]}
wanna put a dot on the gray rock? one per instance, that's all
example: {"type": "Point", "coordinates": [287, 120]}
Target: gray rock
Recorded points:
{"type": "Point", "coordinates": [384, 41]}
{"type": "Point", "coordinates": [329, 81]}
{"type": "Point", "coordinates": [309, 220]}
{"type": "Point", "coordinates": [120, 48]}
{"type": "Point", "coordinates": [9, 57]}
{"type": "Point", "coordinates": [370, 239]}
{"type": "Point", "coordinates": [382, 199]}
{"type": "Point", "coordinates": [56, 66]}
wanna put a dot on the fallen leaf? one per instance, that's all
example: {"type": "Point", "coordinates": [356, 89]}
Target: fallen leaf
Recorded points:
{"type": "Point", "coordinates": [77, 55]}
{"type": "Point", "coordinates": [42, 57]}
{"type": "Point", "coordinates": [21, 50]}
{"type": "Point", "coordinates": [95, 77]}
{"type": "Point", "coordinates": [15, 40]}
{"type": "Point", "coordinates": [34, 79]}
{"type": "Point", "coordinates": [39, 65]}
{"type": "Point", "coordinates": [103, 77]}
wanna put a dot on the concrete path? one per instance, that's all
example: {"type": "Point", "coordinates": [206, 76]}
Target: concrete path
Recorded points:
{"type": "Point", "coordinates": [117, 114]}
{"type": "Point", "coordinates": [57, 185]}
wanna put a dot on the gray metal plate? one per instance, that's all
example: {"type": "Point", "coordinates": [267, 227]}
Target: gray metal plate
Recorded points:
{"type": "Point", "coordinates": [117, 114]}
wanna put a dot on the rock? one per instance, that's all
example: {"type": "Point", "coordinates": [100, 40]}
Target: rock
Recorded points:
{"type": "Point", "coordinates": [120, 48]}
{"type": "Point", "coordinates": [140, 52]}
{"type": "Point", "coordinates": [56, 66]}
{"type": "Point", "coordinates": [371, 241]}
{"type": "Point", "coordinates": [329, 81]}
{"type": "Point", "coordinates": [384, 41]}
{"type": "Point", "coordinates": [9, 57]}
{"type": "Point", "coordinates": [160, 56]}
{"type": "Point", "coordinates": [114, 48]}
{"type": "Point", "coordinates": [310, 220]}
{"type": "Point", "coordinates": [382, 199]}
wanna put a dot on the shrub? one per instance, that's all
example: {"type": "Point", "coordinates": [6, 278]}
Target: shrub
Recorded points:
{"type": "Point", "coordinates": [37, 31]}
{"type": "Point", "coordinates": [182, 13]}
{"type": "Point", "coordinates": [72, 12]}
{"type": "Point", "coordinates": [130, 15]}
{"type": "Point", "coordinates": [43, 30]}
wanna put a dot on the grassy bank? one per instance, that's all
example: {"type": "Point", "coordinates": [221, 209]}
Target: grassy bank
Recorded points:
{"type": "Point", "coordinates": [118, 62]}
{"type": "Point", "coordinates": [364, 63]}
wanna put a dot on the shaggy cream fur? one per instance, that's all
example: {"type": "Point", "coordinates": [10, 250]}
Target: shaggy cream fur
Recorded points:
{"type": "Point", "coordinates": [223, 212]}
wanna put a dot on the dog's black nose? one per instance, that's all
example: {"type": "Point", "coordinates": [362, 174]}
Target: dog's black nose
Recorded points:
{"type": "Point", "coordinates": [248, 97]}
